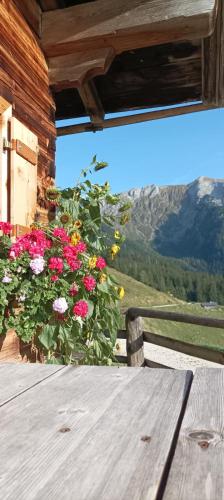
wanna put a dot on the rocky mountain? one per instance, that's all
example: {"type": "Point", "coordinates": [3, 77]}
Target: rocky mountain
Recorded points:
{"type": "Point", "coordinates": [182, 221]}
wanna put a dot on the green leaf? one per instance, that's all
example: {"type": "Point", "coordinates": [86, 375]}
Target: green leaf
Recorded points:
{"type": "Point", "coordinates": [100, 165]}
{"type": "Point", "coordinates": [90, 308]}
{"type": "Point", "coordinates": [47, 336]}
{"type": "Point", "coordinates": [103, 287]}
{"type": "Point", "coordinates": [93, 160]}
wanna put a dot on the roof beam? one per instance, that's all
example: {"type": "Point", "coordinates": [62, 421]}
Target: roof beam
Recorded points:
{"type": "Point", "coordinates": [131, 119]}
{"type": "Point", "coordinates": [92, 102]}
{"type": "Point", "coordinates": [125, 25]}
{"type": "Point", "coordinates": [51, 4]}
{"type": "Point", "coordinates": [213, 63]}
{"type": "Point", "coordinates": [73, 70]}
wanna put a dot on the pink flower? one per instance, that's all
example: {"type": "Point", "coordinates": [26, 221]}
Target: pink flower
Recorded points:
{"type": "Point", "coordinates": [37, 265]}
{"type": "Point", "coordinates": [89, 283]}
{"type": "Point", "coordinates": [56, 264]}
{"type": "Point", "coordinates": [59, 232]}
{"type": "Point", "coordinates": [81, 308]}
{"type": "Point", "coordinates": [80, 247]}
{"type": "Point", "coordinates": [74, 264]}
{"type": "Point", "coordinates": [35, 243]}
{"type": "Point", "coordinates": [100, 263]}
{"type": "Point", "coordinates": [6, 279]}
{"type": "Point", "coordinates": [5, 227]}
{"type": "Point", "coordinates": [60, 305]}
{"type": "Point", "coordinates": [74, 290]}
{"type": "Point", "coordinates": [54, 277]}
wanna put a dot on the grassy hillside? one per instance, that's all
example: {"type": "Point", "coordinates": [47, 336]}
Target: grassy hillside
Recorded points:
{"type": "Point", "coordinates": [140, 295]}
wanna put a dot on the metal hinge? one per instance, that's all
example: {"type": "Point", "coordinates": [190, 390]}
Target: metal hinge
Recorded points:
{"type": "Point", "coordinates": [6, 144]}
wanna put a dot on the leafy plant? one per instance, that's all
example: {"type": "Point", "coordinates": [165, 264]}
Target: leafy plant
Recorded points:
{"type": "Point", "coordinates": [55, 288]}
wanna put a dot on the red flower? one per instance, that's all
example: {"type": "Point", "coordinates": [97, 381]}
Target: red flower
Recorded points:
{"type": "Point", "coordinates": [59, 232]}
{"type": "Point", "coordinates": [100, 263]}
{"type": "Point", "coordinates": [5, 227]}
{"type": "Point", "coordinates": [54, 277]}
{"type": "Point", "coordinates": [80, 247]}
{"type": "Point", "coordinates": [74, 264]}
{"type": "Point", "coordinates": [89, 283]}
{"type": "Point", "coordinates": [56, 264]}
{"type": "Point", "coordinates": [81, 308]}
{"type": "Point", "coordinates": [74, 290]}
{"type": "Point", "coordinates": [35, 243]}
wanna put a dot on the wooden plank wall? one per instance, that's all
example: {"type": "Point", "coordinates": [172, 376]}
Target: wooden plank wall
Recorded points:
{"type": "Point", "coordinates": [24, 83]}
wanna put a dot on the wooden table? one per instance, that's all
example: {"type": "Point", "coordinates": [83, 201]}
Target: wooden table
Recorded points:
{"type": "Point", "coordinates": [101, 433]}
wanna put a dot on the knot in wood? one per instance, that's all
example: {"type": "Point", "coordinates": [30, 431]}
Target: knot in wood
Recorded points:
{"type": "Point", "coordinates": [146, 439]}
{"type": "Point", "coordinates": [64, 429]}
{"type": "Point", "coordinates": [205, 438]}
{"type": "Point", "coordinates": [203, 444]}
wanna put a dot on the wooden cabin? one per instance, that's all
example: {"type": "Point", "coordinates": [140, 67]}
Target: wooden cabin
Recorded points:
{"type": "Point", "coordinates": [65, 59]}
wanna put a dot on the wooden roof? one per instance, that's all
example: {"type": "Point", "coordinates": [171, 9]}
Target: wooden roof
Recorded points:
{"type": "Point", "coordinates": [108, 57]}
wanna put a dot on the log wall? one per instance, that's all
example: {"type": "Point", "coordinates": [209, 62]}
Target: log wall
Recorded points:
{"type": "Point", "coordinates": [24, 83]}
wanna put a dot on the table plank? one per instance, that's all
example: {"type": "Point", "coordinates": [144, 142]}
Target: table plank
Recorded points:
{"type": "Point", "coordinates": [91, 433]}
{"type": "Point", "coordinates": [198, 464]}
{"type": "Point", "coordinates": [17, 378]}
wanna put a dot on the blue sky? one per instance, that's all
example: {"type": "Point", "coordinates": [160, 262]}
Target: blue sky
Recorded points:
{"type": "Point", "coordinates": [169, 151]}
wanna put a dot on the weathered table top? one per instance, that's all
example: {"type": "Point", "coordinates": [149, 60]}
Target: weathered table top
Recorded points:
{"type": "Point", "coordinates": [101, 433]}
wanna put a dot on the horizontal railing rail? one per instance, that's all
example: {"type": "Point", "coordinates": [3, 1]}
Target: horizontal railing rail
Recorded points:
{"type": "Point", "coordinates": [135, 337]}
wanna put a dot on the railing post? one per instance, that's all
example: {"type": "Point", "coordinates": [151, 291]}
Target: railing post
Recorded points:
{"type": "Point", "coordinates": [134, 343]}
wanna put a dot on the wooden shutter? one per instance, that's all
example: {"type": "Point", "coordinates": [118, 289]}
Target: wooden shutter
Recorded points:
{"type": "Point", "coordinates": [23, 174]}
{"type": "Point", "coordinates": [5, 115]}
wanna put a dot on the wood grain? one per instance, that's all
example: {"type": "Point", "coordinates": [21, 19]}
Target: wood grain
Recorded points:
{"type": "Point", "coordinates": [23, 176]}
{"type": "Point", "coordinates": [213, 63]}
{"type": "Point", "coordinates": [24, 80]}
{"type": "Point", "coordinates": [185, 347]}
{"type": "Point", "coordinates": [92, 102]}
{"type": "Point", "coordinates": [32, 13]}
{"type": "Point", "coordinates": [124, 26]}
{"type": "Point", "coordinates": [131, 119]}
{"type": "Point", "coordinates": [91, 432]}
{"type": "Point", "coordinates": [197, 468]}
{"type": "Point", "coordinates": [73, 70]}
{"type": "Point", "coordinates": [134, 342]}
{"type": "Point", "coordinates": [17, 378]}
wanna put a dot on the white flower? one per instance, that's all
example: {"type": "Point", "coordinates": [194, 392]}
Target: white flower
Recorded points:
{"type": "Point", "coordinates": [37, 265]}
{"type": "Point", "coordinates": [60, 305]}
{"type": "Point", "coordinates": [6, 279]}
{"type": "Point", "coordinates": [22, 298]}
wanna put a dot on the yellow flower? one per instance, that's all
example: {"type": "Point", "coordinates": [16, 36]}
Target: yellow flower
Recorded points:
{"type": "Point", "coordinates": [117, 235]}
{"type": "Point", "coordinates": [92, 262]}
{"type": "Point", "coordinates": [114, 250]}
{"type": "Point", "coordinates": [121, 292]}
{"type": "Point", "coordinates": [78, 224]}
{"type": "Point", "coordinates": [103, 278]}
{"type": "Point", "coordinates": [75, 238]}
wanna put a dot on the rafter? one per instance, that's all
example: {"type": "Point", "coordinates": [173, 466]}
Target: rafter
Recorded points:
{"type": "Point", "coordinates": [213, 63]}
{"type": "Point", "coordinates": [125, 25]}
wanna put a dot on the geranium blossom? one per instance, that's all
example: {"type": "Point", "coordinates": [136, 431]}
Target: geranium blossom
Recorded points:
{"type": "Point", "coordinates": [100, 263]}
{"type": "Point", "coordinates": [37, 265]}
{"type": "Point", "coordinates": [74, 290]}
{"type": "Point", "coordinates": [60, 305]}
{"type": "Point", "coordinates": [56, 264]}
{"type": "Point", "coordinates": [5, 227]}
{"type": "Point", "coordinates": [89, 283]}
{"type": "Point", "coordinates": [59, 232]}
{"type": "Point", "coordinates": [81, 308]}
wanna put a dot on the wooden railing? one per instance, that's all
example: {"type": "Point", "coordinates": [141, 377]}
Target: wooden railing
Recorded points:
{"type": "Point", "coordinates": [135, 337]}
